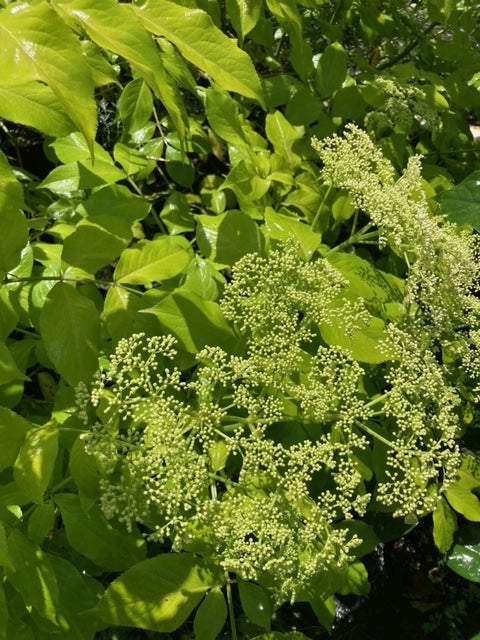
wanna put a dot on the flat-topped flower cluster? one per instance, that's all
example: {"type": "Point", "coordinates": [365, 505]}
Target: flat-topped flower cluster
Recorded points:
{"type": "Point", "coordinates": [259, 457]}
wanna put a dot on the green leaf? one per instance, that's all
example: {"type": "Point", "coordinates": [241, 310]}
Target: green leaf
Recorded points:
{"type": "Point", "coordinates": [133, 162]}
{"type": "Point", "coordinates": [176, 214]}
{"type": "Point", "coordinates": [108, 545]}
{"type": "Point", "coordinates": [118, 202]}
{"type": "Point", "coordinates": [13, 429]}
{"type": "Point", "coordinates": [331, 69]}
{"type": "Point", "coordinates": [8, 368]}
{"type": "Point", "coordinates": [228, 237]}
{"type": "Point", "coordinates": [203, 279]}
{"type": "Point", "coordinates": [35, 461]}
{"type": "Point", "coordinates": [35, 105]}
{"type": "Point", "coordinates": [37, 45]}
{"type": "Point", "coordinates": [195, 322]}
{"type": "Point", "coordinates": [282, 228]}
{"type": "Point", "coordinates": [121, 314]}
{"type": "Point", "coordinates": [115, 27]}
{"type": "Point", "coordinates": [153, 260]}
{"type": "Point", "coordinates": [444, 526]}
{"type": "Point", "coordinates": [462, 202]}
{"type": "Point", "coordinates": [204, 45]}
{"type": "Point", "coordinates": [283, 135]}
{"type": "Point", "coordinates": [356, 580]}
{"type": "Point", "coordinates": [157, 594]}
{"type": "Point", "coordinates": [77, 594]}
{"type": "Point", "coordinates": [3, 614]}
{"type": "Point", "coordinates": [324, 609]}
{"type": "Point", "coordinates": [135, 106]}
{"type": "Point", "coordinates": [464, 558]}
{"type": "Point", "coordinates": [13, 225]}
{"type": "Point", "coordinates": [460, 495]}
{"type": "Point", "coordinates": [211, 616]}
{"type": "Point", "coordinates": [32, 575]}
{"type": "Point", "coordinates": [277, 635]}
{"type": "Point", "coordinates": [91, 246]}
{"type": "Point", "coordinates": [84, 470]}
{"type": "Point", "coordinates": [244, 15]}
{"type": "Point", "coordinates": [224, 118]}
{"type": "Point", "coordinates": [255, 603]}
{"type": "Point", "coordinates": [70, 328]}
{"type": "Point", "coordinates": [41, 522]}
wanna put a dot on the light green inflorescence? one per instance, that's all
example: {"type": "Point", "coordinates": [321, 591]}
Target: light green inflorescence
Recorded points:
{"type": "Point", "coordinates": [253, 457]}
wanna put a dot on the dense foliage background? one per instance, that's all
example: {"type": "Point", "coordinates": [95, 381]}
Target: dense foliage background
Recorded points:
{"type": "Point", "coordinates": [146, 148]}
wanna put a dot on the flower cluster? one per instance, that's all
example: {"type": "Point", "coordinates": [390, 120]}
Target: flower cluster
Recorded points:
{"type": "Point", "coordinates": [253, 457]}
{"type": "Point", "coordinates": [405, 107]}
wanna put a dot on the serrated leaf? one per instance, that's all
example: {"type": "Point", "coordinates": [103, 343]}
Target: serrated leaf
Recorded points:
{"type": "Point", "coordinates": [211, 616]}
{"type": "Point", "coordinates": [33, 467]}
{"type": "Point", "coordinates": [444, 526]}
{"type": "Point", "coordinates": [153, 260]}
{"type": "Point", "coordinates": [204, 45]}
{"type": "Point", "coordinates": [70, 328]}
{"type": "Point", "coordinates": [32, 576]}
{"type": "Point", "coordinates": [157, 594]}
{"type": "Point", "coordinates": [35, 105]}
{"type": "Point", "coordinates": [255, 603]}
{"type": "Point", "coordinates": [37, 45]}
{"type": "Point", "coordinates": [462, 202]}
{"type": "Point", "coordinates": [108, 545]}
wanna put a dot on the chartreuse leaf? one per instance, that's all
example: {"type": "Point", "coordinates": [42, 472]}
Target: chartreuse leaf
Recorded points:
{"type": "Point", "coordinates": [135, 106]}
{"type": "Point", "coordinates": [84, 470]}
{"type": "Point", "coordinates": [444, 526]}
{"type": "Point", "coordinates": [461, 494]}
{"type": "Point", "coordinates": [157, 594]}
{"type": "Point", "coordinates": [244, 15]}
{"type": "Point", "coordinates": [13, 225]}
{"type": "Point", "coordinates": [94, 245]}
{"type": "Point", "coordinates": [41, 521]}
{"type": "Point", "coordinates": [35, 105]}
{"type": "Point", "coordinates": [37, 45]}
{"type": "Point", "coordinates": [331, 69]}
{"type": "Point", "coordinates": [255, 603]}
{"type": "Point", "coordinates": [356, 580]}
{"type": "Point", "coordinates": [8, 368]}
{"type": "Point", "coordinates": [108, 545]}
{"type": "Point", "coordinates": [290, 20]}
{"type": "Point", "coordinates": [228, 237]}
{"type": "Point", "coordinates": [33, 467]}
{"type": "Point", "coordinates": [204, 45]}
{"type": "Point", "coordinates": [462, 202]}
{"type": "Point", "coordinates": [283, 135]}
{"type": "Point", "coordinates": [116, 201]}
{"type": "Point", "coordinates": [324, 609]}
{"type": "Point", "coordinates": [211, 616]}
{"type": "Point", "coordinates": [70, 328]}
{"type": "Point", "coordinates": [195, 322]}
{"type": "Point", "coordinates": [13, 429]}
{"type": "Point", "coordinates": [280, 227]}
{"type": "Point", "coordinates": [114, 27]}
{"type": "Point", "coordinates": [153, 260]}
{"type": "Point", "coordinates": [32, 576]}
{"type": "Point", "coordinates": [464, 558]}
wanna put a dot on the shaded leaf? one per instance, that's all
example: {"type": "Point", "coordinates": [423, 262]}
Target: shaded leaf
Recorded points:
{"type": "Point", "coordinates": [462, 202]}
{"type": "Point", "coordinates": [211, 616]}
{"type": "Point", "coordinates": [255, 603]}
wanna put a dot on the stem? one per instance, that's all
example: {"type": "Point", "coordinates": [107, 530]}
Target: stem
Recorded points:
{"type": "Point", "coordinates": [359, 237]}
{"type": "Point", "coordinates": [231, 612]}
{"type": "Point", "coordinates": [315, 220]}
{"type": "Point", "coordinates": [374, 434]}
